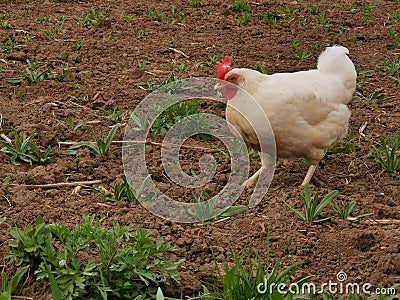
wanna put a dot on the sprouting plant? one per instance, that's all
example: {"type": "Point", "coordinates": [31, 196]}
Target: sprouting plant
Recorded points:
{"type": "Point", "coordinates": [79, 99]}
{"type": "Point", "coordinates": [271, 18]}
{"type": "Point", "coordinates": [152, 86]}
{"type": "Point", "coordinates": [240, 6]}
{"type": "Point", "coordinates": [345, 146]}
{"type": "Point", "coordinates": [93, 16]}
{"type": "Point", "coordinates": [78, 45]}
{"type": "Point", "coordinates": [261, 68]}
{"type": "Point", "coordinates": [31, 75]}
{"type": "Point", "coordinates": [169, 114]}
{"type": "Point", "coordinates": [322, 22]}
{"type": "Point", "coordinates": [178, 16]}
{"type": "Point", "coordinates": [390, 65]}
{"type": "Point", "coordinates": [115, 115]}
{"type": "Point", "coordinates": [155, 15]}
{"type": "Point", "coordinates": [196, 3]}
{"type": "Point", "coordinates": [388, 154]}
{"type": "Point", "coordinates": [141, 64]}
{"type": "Point", "coordinates": [298, 53]}
{"type": "Point", "coordinates": [102, 144]}
{"type": "Point", "coordinates": [240, 147]}
{"type": "Point", "coordinates": [22, 149]}
{"type": "Point", "coordinates": [244, 18]}
{"type": "Point", "coordinates": [348, 208]}
{"type": "Point", "coordinates": [91, 261]}
{"type": "Point", "coordinates": [246, 276]}
{"type": "Point", "coordinates": [313, 206]}
{"type": "Point", "coordinates": [313, 10]}
{"type": "Point", "coordinates": [8, 286]}
{"type": "Point", "coordinates": [395, 79]}
{"type": "Point", "coordinates": [206, 211]}
{"type": "Point", "coordinates": [377, 95]}
{"type": "Point", "coordinates": [182, 67]}
{"type": "Point", "coordinates": [395, 40]}
{"type": "Point", "coordinates": [60, 76]}
{"type": "Point", "coordinates": [214, 57]}
{"type": "Point", "coordinates": [75, 126]}
{"type": "Point", "coordinates": [396, 17]}
{"type": "Point", "coordinates": [289, 10]}
{"type": "Point", "coordinates": [126, 191]}
{"type": "Point", "coordinates": [10, 46]}
{"type": "Point", "coordinates": [5, 24]}
{"type": "Point", "coordinates": [139, 33]}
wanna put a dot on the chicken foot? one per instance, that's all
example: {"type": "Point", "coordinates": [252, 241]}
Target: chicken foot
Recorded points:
{"type": "Point", "coordinates": [309, 175]}
{"type": "Point", "coordinates": [251, 181]}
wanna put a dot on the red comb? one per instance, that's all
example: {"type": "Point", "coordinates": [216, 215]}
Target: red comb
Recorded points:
{"type": "Point", "coordinates": [224, 67]}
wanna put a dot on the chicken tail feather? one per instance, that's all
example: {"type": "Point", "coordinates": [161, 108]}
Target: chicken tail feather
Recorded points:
{"type": "Point", "coordinates": [335, 60]}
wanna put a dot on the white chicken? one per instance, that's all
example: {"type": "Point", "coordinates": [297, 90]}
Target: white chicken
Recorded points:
{"type": "Point", "coordinates": [307, 110]}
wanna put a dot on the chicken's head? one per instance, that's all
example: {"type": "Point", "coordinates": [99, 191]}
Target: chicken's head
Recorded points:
{"type": "Point", "coordinates": [225, 75]}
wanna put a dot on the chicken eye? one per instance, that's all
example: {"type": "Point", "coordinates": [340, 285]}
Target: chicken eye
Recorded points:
{"type": "Point", "coordinates": [232, 78]}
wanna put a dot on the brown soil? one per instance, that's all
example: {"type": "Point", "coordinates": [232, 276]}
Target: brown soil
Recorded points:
{"type": "Point", "coordinates": [103, 67]}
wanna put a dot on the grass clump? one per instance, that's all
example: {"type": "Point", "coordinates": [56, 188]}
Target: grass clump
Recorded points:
{"type": "Point", "coordinates": [388, 153]}
{"type": "Point", "coordinates": [101, 145]}
{"type": "Point", "coordinates": [313, 207]}
{"type": "Point", "coordinates": [125, 191]}
{"type": "Point", "coordinates": [249, 277]}
{"type": "Point", "coordinates": [22, 149]}
{"type": "Point", "coordinates": [9, 285]}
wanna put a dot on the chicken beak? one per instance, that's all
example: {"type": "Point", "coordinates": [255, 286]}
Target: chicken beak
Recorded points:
{"type": "Point", "coordinates": [219, 85]}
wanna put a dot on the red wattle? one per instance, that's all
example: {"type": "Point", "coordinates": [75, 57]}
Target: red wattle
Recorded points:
{"type": "Point", "coordinates": [229, 92]}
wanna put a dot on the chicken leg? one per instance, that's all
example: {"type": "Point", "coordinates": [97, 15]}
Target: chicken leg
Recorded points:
{"type": "Point", "coordinates": [309, 175]}
{"type": "Point", "coordinates": [253, 179]}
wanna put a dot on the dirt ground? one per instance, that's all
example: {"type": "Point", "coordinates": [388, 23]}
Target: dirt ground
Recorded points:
{"type": "Point", "coordinates": [104, 73]}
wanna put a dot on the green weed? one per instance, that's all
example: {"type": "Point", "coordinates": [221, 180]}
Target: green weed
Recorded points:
{"type": "Point", "coordinates": [244, 18]}
{"type": "Point", "coordinates": [93, 262]}
{"type": "Point", "coordinates": [240, 6]}
{"type": "Point", "coordinates": [345, 146]}
{"type": "Point", "coordinates": [24, 150]}
{"type": "Point", "coordinates": [396, 17]}
{"type": "Point", "coordinates": [125, 191]}
{"type": "Point", "coordinates": [388, 153]}
{"type": "Point", "coordinates": [323, 21]}
{"type": "Point", "coordinates": [93, 16]}
{"type": "Point", "coordinates": [34, 74]}
{"type": "Point", "coordinates": [5, 24]}
{"type": "Point", "coordinates": [377, 95]}
{"type": "Point", "coordinates": [205, 210]}
{"type": "Point", "coordinates": [8, 286]}
{"type": "Point", "coordinates": [75, 126]}
{"type": "Point", "coordinates": [395, 40]}
{"type": "Point", "coordinates": [214, 57]}
{"type": "Point", "coordinates": [196, 3]}
{"type": "Point", "coordinates": [390, 65]}
{"type": "Point", "coordinates": [345, 212]}
{"type": "Point", "coordinates": [313, 207]}
{"type": "Point", "coordinates": [115, 115]}
{"type": "Point", "coordinates": [271, 18]}
{"type": "Point", "coordinates": [298, 53]}
{"type": "Point", "coordinates": [239, 147]}
{"type": "Point", "coordinates": [10, 46]}
{"type": "Point", "coordinates": [101, 146]}
{"type": "Point", "coordinates": [251, 278]}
